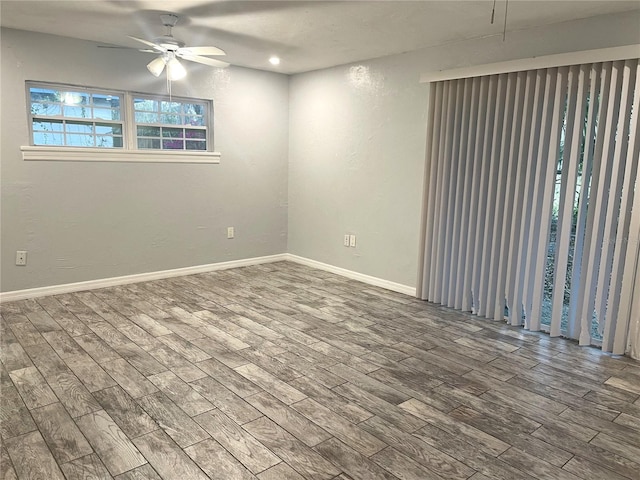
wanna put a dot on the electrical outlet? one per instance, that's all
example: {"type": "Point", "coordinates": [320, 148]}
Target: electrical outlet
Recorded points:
{"type": "Point", "coordinates": [346, 240]}
{"type": "Point", "coordinates": [231, 232]}
{"type": "Point", "coordinates": [21, 257]}
{"type": "Point", "coordinates": [352, 240]}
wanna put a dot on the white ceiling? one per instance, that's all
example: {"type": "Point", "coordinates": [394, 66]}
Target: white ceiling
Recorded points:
{"type": "Point", "coordinates": [307, 35]}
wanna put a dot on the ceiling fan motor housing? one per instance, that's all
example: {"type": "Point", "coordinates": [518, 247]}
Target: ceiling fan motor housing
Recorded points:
{"type": "Point", "coordinates": [169, 19]}
{"type": "Point", "coordinates": [168, 42]}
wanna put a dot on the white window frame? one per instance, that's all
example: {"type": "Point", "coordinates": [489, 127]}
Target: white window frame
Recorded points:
{"type": "Point", "coordinates": [69, 119]}
{"type": "Point", "coordinates": [128, 152]}
{"type": "Point", "coordinates": [208, 117]}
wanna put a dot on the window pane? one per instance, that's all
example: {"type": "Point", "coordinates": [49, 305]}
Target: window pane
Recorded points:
{"type": "Point", "coordinates": [171, 119]}
{"type": "Point", "coordinates": [44, 95]}
{"type": "Point", "coordinates": [77, 111]}
{"type": "Point", "coordinates": [45, 109]}
{"type": "Point", "coordinates": [142, 117]}
{"type": "Point", "coordinates": [172, 132]}
{"type": "Point", "coordinates": [144, 104]}
{"type": "Point", "coordinates": [193, 109]}
{"type": "Point", "coordinates": [196, 145]}
{"type": "Point", "coordinates": [48, 138]}
{"type": "Point", "coordinates": [108, 101]}
{"type": "Point", "coordinates": [108, 129]}
{"type": "Point", "coordinates": [173, 144]}
{"type": "Point", "coordinates": [194, 133]}
{"type": "Point", "coordinates": [106, 114]}
{"type": "Point", "coordinates": [195, 120]}
{"type": "Point", "coordinates": [76, 140]}
{"type": "Point", "coordinates": [148, 143]}
{"type": "Point", "coordinates": [75, 98]}
{"type": "Point", "coordinates": [144, 131]}
{"type": "Point", "coordinates": [79, 127]}
{"type": "Point", "coordinates": [170, 107]}
{"type": "Point", "coordinates": [107, 141]}
{"type": "Point", "coordinates": [51, 126]}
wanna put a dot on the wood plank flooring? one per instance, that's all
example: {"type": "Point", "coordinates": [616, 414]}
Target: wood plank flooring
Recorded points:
{"type": "Point", "coordinates": [280, 371]}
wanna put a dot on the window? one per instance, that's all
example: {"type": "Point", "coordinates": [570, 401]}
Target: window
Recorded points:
{"type": "Point", "coordinates": [170, 124]}
{"type": "Point", "coordinates": [116, 125]}
{"type": "Point", "coordinates": [75, 117]}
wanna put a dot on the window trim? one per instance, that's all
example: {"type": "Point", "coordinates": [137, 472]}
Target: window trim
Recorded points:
{"type": "Point", "coordinates": [84, 154]}
{"type": "Point", "coordinates": [128, 153]}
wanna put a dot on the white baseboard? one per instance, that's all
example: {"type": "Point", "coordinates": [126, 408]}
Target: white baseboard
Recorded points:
{"type": "Point", "coordinates": [178, 272]}
{"type": "Point", "coordinates": [140, 277]}
{"type": "Point", "coordinates": [378, 282]}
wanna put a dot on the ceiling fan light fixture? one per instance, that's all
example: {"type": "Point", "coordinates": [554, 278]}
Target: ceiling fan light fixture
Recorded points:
{"type": "Point", "coordinates": [175, 70]}
{"type": "Point", "coordinates": [156, 66]}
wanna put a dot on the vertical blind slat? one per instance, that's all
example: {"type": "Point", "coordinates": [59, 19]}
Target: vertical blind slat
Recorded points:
{"type": "Point", "coordinates": [482, 194]}
{"type": "Point", "coordinates": [504, 257]}
{"type": "Point", "coordinates": [514, 301]}
{"type": "Point", "coordinates": [464, 220]}
{"type": "Point", "coordinates": [551, 149]}
{"type": "Point", "coordinates": [444, 192]}
{"type": "Point", "coordinates": [535, 258]}
{"type": "Point", "coordinates": [490, 212]}
{"type": "Point", "coordinates": [455, 290]}
{"type": "Point", "coordinates": [627, 283]}
{"type": "Point", "coordinates": [474, 212]}
{"type": "Point", "coordinates": [576, 106]}
{"type": "Point", "coordinates": [495, 298]}
{"type": "Point", "coordinates": [439, 219]}
{"type": "Point", "coordinates": [435, 111]}
{"type": "Point", "coordinates": [424, 259]}
{"type": "Point", "coordinates": [526, 224]}
{"type": "Point", "coordinates": [434, 203]}
{"type": "Point", "coordinates": [581, 221]}
{"type": "Point", "coordinates": [616, 218]}
{"type": "Point", "coordinates": [447, 294]}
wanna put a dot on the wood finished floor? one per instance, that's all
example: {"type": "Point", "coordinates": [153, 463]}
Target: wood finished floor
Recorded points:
{"type": "Point", "coordinates": [281, 372]}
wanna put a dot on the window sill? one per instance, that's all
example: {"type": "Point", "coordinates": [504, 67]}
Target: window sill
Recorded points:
{"type": "Point", "coordinates": [78, 154]}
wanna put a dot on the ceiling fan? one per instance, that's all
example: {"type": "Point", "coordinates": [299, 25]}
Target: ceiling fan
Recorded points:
{"type": "Point", "coordinates": [170, 50]}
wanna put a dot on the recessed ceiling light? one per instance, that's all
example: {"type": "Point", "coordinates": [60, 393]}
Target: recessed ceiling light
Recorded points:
{"type": "Point", "coordinates": [274, 61]}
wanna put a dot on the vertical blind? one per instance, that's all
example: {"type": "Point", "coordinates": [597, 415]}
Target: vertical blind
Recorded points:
{"type": "Point", "coordinates": [529, 197]}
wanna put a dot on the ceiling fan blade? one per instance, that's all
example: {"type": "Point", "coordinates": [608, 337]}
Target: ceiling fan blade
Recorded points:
{"type": "Point", "coordinates": [151, 44]}
{"type": "Point", "coordinates": [204, 60]}
{"type": "Point", "coordinates": [201, 51]}
{"type": "Point", "coordinates": [144, 50]}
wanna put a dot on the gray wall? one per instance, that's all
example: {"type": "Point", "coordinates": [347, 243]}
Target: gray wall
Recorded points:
{"type": "Point", "coordinates": [343, 146]}
{"type": "Point", "coordinates": [82, 221]}
{"type": "Point", "coordinates": [357, 137]}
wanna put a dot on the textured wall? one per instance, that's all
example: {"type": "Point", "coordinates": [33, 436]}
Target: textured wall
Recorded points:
{"type": "Point", "coordinates": [83, 221]}
{"type": "Point", "coordinates": [354, 137]}
{"type": "Point", "coordinates": [357, 143]}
